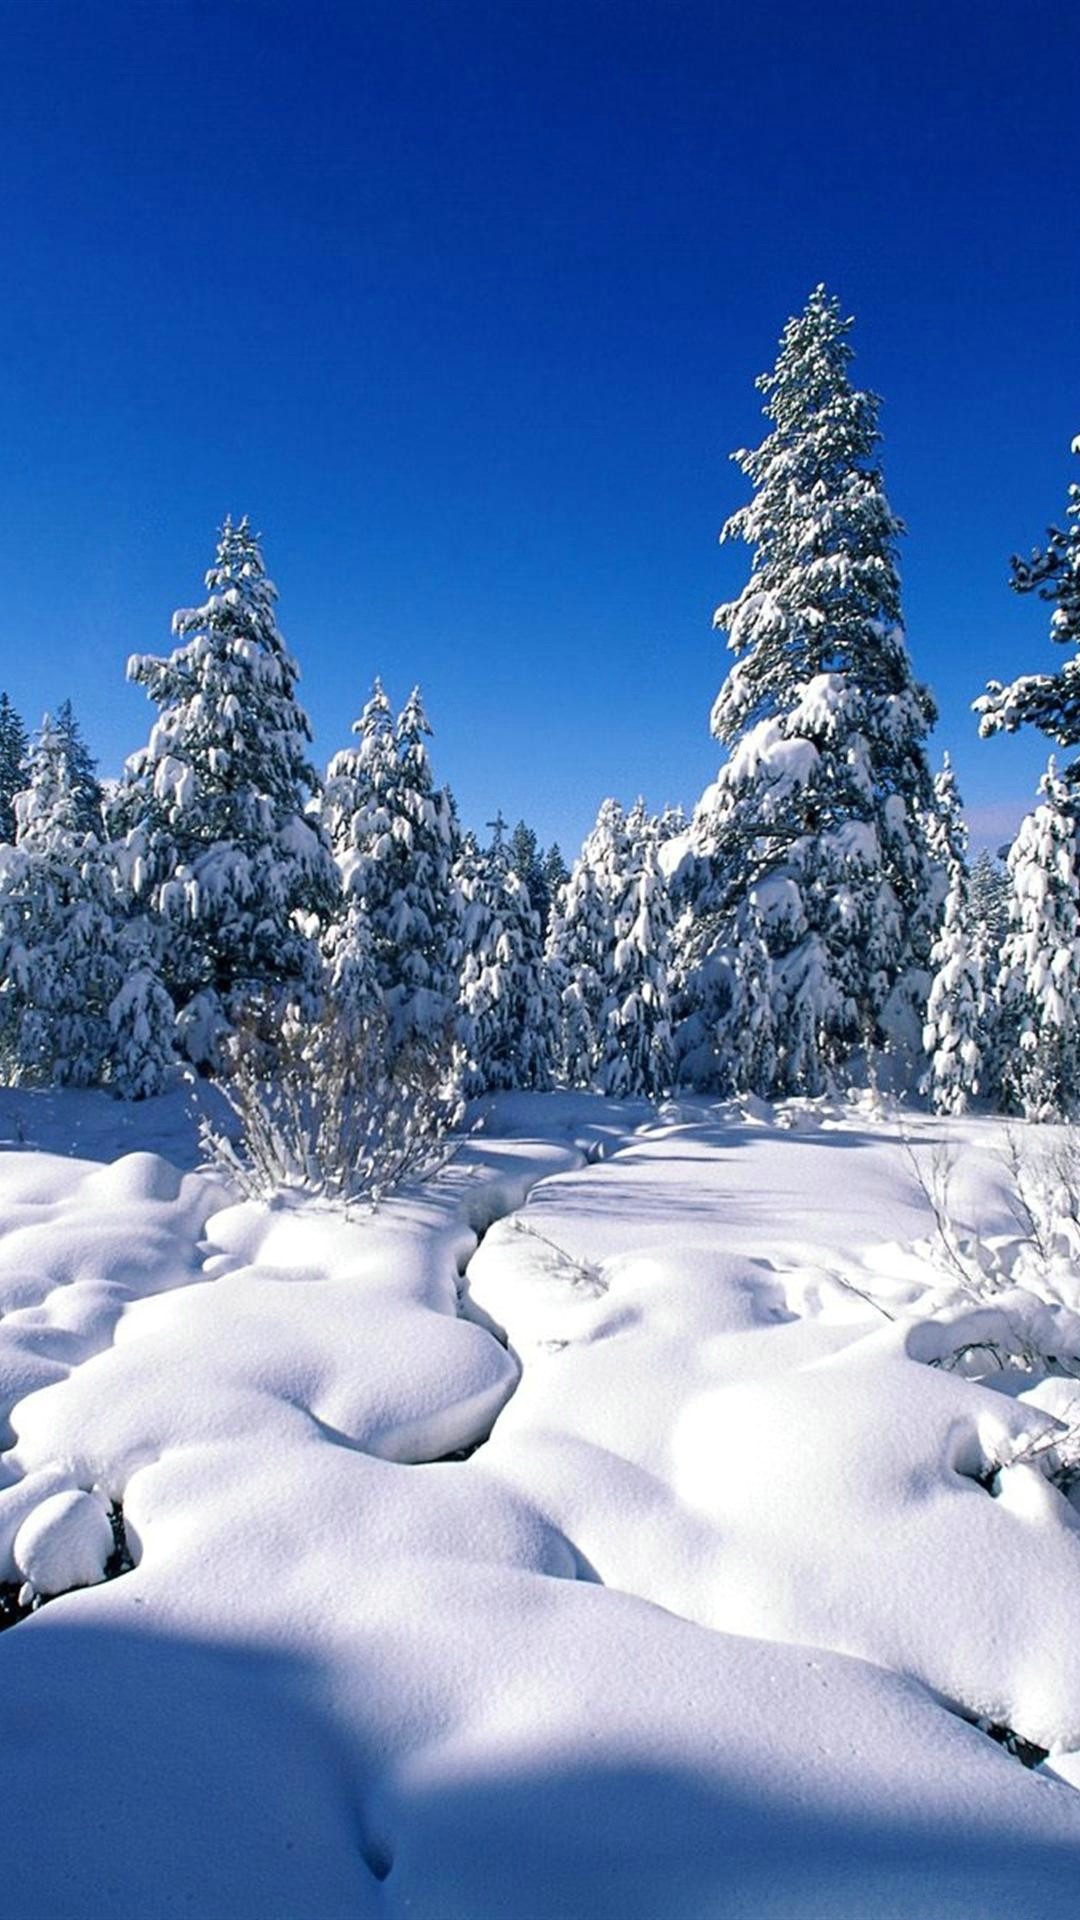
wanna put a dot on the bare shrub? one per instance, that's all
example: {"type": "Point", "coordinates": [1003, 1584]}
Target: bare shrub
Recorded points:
{"type": "Point", "coordinates": [329, 1110]}
{"type": "Point", "coordinates": [1023, 1315]}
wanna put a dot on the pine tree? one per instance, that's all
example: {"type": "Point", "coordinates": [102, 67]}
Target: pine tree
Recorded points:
{"type": "Point", "coordinates": [394, 838]}
{"type": "Point", "coordinates": [142, 1023]}
{"type": "Point", "coordinates": [990, 899]}
{"type": "Point", "coordinates": [579, 943]}
{"type": "Point", "coordinates": [427, 936]}
{"type": "Point", "coordinates": [988, 906]}
{"type": "Point", "coordinates": [527, 861]}
{"type": "Point", "coordinates": [747, 1026]}
{"type": "Point", "coordinates": [1049, 701]}
{"type": "Point", "coordinates": [13, 746]}
{"type": "Point", "coordinates": [213, 807]}
{"type": "Point", "coordinates": [506, 1002]}
{"type": "Point", "coordinates": [812, 840]}
{"type": "Point", "coordinates": [953, 1031]}
{"type": "Point", "coordinates": [355, 805]}
{"type": "Point", "coordinates": [1040, 975]}
{"type": "Point", "coordinates": [946, 833]}
{"type": "Point", "coordinates": [59, 968]}
{"type": "Point", "coordinates": [82, 770]}
{"type": "Point", "coordinates": [350, 996]}
{"type": "Point", "coordinates": [635, 1052]}
{"type": "Point", "coordinates": [556, 873]}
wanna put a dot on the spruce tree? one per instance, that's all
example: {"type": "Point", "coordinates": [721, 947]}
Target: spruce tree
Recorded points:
{"type": "Point", "coordinates": [635, 1052]}
{"type": "Point", "coordinates": [990, 900]}
{"type": "Point", "coordinates": [213, 807]}
{"type": "Point", "coordinates": [427, 911]}
{"type": "Point", "coordinates": [953, 1032]}
{"type": "Point", "coordinates": [555, 873]}
{"type": "Point", "coordinates": [812, 839]}
{"type": "Point", "coordinates": [579, 943]}
{"type": "Point", "coordinates": [1040, 974]}
{"type": "Point", "coordinates": [1049, 701]}
{"type": "Point", "coordinates": [59, 965]}
{"type": "Point", "coordinates": [394, 838]}
{"type": "Point", "coordinates": [13, 745]}
{"type": "Point", "coordinates": [142, 1019]}
{"type": "Point", "coordinates": [507, 1007]}
{"type": "Point", "coordinates": [355, 805]}
{"type": "Point", "coordinates": [82, 770]}
{"type": "Point", "coordinates": [527, 861]}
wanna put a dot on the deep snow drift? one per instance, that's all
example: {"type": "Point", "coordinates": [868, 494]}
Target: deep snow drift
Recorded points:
{"type": "Point", "coordinates": [667, 1555]}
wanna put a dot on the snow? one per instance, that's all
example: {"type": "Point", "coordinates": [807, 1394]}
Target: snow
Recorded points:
{"type": "Point", "coordinates": [651, 1556]}
{"type": "Point", "coordinates": [64, 1542]}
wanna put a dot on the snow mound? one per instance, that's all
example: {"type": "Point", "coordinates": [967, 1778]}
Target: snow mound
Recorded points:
{"type": "Point", "coordinates": [65, 1542]}
{"type": "Point", "coordinates": [739, 1563]}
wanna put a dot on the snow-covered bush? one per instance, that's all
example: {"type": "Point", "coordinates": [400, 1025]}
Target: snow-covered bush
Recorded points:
{"type": "Point", "coordinates": [1016, 1291]}
{"type": "Point", "coordinates": [334, 1109]}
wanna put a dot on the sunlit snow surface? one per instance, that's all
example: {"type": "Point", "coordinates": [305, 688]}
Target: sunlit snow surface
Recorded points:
{"type": "Point", "coordinates": [699, 1622]}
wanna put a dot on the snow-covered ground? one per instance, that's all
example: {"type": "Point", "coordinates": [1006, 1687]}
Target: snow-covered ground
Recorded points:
{"type": "Point", "coordinates": [660, 1555]}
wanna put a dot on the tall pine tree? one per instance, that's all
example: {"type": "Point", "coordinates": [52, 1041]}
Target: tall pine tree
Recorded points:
{"type": "Point", "coordinates": [812, 838]}
{"type": "Point", "coordinates": [213, 807]}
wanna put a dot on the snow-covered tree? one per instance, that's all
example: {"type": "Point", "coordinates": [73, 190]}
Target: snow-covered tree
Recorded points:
{"type": "Point", "coordinates": [608, 956]}
{"type": "Point", "coordinates": [990, 899]}
{"type": "Point", "coordinates": [394, 836]}
{"type": "Point", "coordinates": [81, 1001]}
{"type": "Point", "coordinates": [507, 1010]}
{"type": "Point", "coordinates": [556, 873]}
{"type": "Point", "coordinates": [580, 944]}
{"type": "Point", "coordinates": [953, 1030]}
{"type": "Point", "coordinates": [1040, 974]}
{"type": "Point", "coordinates": [142, 1018]}
{"type": "Point", "coordinates": [13, 745]}
{"type": "Point", "coordinates": [82, 770]}
{"type": "Point", "coordinates": [635, 1050]}
{"type": "Point", "coordinates": [812, 839]}
{"type": "Point", "coordinates": [946, 832]}
{"type": "Point", "coordinates": [59, 970]}
{"type": "Point", "coordinates": [526, 859]}
{"type": "Point", "coordinates": [427, 910]}
{"type": "Point", "coordinates": [354, 805]}
{"type": "Point", "coordinates": [989, 888]}
{"type": "Point", "coordinates": [213, 807]}
{"type": "Point", "coordinates": [1049, 701]}
{"type": "Point", "coordinates": [542, 873]}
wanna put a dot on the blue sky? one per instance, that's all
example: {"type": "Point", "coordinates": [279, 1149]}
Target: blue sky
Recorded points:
{"type": "Point", "coordinates": [463, 304]}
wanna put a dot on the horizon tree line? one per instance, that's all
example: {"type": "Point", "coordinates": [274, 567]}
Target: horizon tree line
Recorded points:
{"type": "Point", "coordinates": [817, 911]}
